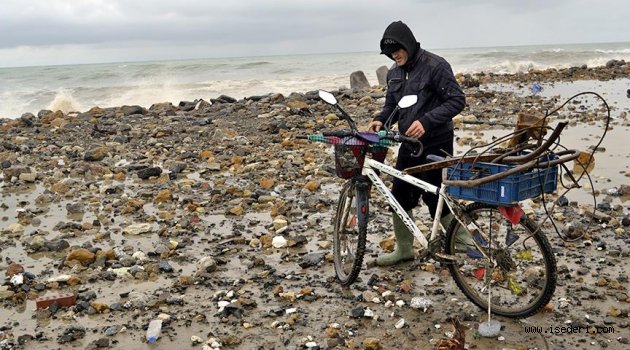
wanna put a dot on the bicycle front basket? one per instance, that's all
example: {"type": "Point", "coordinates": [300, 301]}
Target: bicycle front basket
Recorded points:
{"type": "Point", "coordinates": [349, 160]}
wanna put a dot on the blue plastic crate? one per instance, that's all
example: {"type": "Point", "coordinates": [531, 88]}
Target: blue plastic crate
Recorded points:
{"type": "Point", "coordinates": [505, 191]}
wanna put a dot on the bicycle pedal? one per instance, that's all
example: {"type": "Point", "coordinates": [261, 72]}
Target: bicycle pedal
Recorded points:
{"type": "Point", "coordinates": [423, 256]}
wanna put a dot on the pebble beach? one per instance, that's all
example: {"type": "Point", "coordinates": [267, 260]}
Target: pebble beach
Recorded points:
{"type": "Point", "coordinates": [211, 216]}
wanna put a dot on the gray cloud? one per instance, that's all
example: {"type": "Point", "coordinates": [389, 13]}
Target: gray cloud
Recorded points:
{"type": "Point", "coordinates": [252, 27]}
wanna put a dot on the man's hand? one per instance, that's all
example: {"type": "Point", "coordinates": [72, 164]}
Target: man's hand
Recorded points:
{"type": "Point", "coordinates": [374, 126]}
{"type": "Point", "coordinates": [416, 130]}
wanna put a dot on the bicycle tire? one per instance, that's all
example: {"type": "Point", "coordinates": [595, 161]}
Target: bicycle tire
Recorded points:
{"type": "Point", "coordinates": [350, 232]}
{"type": "Point", "coordinates": [515, 279]}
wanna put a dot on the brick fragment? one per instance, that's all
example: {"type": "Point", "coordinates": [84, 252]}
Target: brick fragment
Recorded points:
{"type": "Point", "coordinates": [63, 300]}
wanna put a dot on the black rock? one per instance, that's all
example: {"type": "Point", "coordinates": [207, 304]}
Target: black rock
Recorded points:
{"type": "Point", "coordinates": [131, 110]}
{"type": "Point", "coordinates": [625, 221]}
{"type": "Point", "coordinates": [6, 164]}
{"type": "Point", "coordinates": [27, 119]}
{"type": "Point", "coordinates": [149, 172]}
{"type": "Point", "coordinates": [187, 106]}
{"type": "Point", "coordinates": [111, 331]}
{"type": "Point", "coordinates": [102, 343]}
{"type": "Point", "coordinates": [603, 206]}
{"type": "Point", "coordinates": [57, 245]}
{"type": "Point", "coordinates": [87, 295]}
{"type": "Point", "coordinates": [71, 333]}
{"type": "Point", "coordinates": [357, 312]}
{"type": "Point", "coordinates": [300, 240]}
{"type": "Point", "coordinates": [165, 266]}
{"type": "Point", "coordinates": [232, 309]}
{"type": "Point", "coordinates": [43, 112]}
{"type": "Point", "coordinates": [311, 259]}
{"type": "Point", "coordinates": [223, 99]}
{"type": "Point", "coordinates": [562, 201]}
{"type": "Point", "coordinates": [177, 167]}
{"type": "Point", "coordinates": [24, 338]}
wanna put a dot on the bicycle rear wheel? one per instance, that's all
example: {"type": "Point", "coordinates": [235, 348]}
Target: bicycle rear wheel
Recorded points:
{"type": "Point", "coordinates": [519, 272]}
{"type": "Point", "coordinates": [350, 232]}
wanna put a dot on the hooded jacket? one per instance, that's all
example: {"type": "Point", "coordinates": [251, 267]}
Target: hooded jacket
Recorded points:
{"type": "Point", "coordinates": [426, 75]}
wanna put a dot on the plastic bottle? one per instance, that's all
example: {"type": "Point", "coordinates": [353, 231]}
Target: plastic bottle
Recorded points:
{"type": "Point", "coordinates": [153, 332]}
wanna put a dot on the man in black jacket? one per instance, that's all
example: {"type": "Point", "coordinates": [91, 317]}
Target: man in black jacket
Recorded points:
{"type": "Point", "coordinates": [440, 98]}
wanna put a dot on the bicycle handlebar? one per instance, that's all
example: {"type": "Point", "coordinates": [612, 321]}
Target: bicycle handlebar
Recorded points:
{"type": "Point", "coordinates": [387, 135]}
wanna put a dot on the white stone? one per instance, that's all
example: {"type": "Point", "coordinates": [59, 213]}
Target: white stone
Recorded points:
{"type": "Point", "coordinates": [136, 229]}
{"type": "Point", "coordinates": [279, 242]}
{"type": "Point", "coordinates": [221, 304]}
{"type": "Point", "coordinates": [17, 280]}
{"type": "Point", "coordinates": [400, 324]}
{"type": "Point", "coordinates": [60, 278]}
{"type": "Point", "coordinates": [139, 255]}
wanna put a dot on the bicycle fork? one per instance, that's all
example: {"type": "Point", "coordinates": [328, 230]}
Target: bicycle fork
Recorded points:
{"type": "Point", "coordinates": [363, 202]}
{"type": "Point", "coordinates": [396, 207]}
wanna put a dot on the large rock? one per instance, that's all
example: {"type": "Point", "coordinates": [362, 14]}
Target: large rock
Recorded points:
{"type": "Point", "coordinates": [95, 154]}
{"type": "Point", "coordinates": [381, 75]}
{"type": "Point", "coordinates": [149, 172]}
{"type": "Point", "coordinates": [358, 81]}
{"type": "Point", "coordinates": [131, 110]}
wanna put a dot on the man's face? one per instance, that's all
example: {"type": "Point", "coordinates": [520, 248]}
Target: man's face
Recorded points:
{"type": "Point", "coordinates": [400, 56]}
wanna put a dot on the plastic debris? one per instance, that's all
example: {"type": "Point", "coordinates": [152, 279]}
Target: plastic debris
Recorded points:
{"type": "Point", "coordinates": [525, 255]}
{"type": "Point", "coordinates": [536, 88]}
{"type": "Point", "coordinates": [514, 286]}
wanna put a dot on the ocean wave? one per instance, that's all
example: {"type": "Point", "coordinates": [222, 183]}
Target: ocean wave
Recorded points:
{"type": "Point", "coordinates": [252, 64]}
{"type": "Point", "coordinates": [622, 51]}
{"type": "Point", "coordinates": [64, 102]}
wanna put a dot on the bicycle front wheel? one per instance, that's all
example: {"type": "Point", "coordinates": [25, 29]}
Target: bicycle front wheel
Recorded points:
{"type": "Point", "coordinates": [350, 231]}
{"type": "Point", "coordinates": [512, 266]}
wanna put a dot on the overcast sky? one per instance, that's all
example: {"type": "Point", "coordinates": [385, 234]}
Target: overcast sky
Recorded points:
{"type": "Point", "coordinates": [43, 32]}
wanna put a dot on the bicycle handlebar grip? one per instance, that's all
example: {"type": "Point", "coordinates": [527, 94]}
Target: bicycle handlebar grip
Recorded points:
{"type": "Point", "coordinates": [414, 143]}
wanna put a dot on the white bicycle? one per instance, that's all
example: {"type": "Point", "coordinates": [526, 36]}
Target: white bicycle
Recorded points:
{"type": "Point", "coordinates": [498, 257]}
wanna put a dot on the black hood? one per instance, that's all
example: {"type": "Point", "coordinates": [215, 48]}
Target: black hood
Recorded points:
{"type": "Point", "coordinates": [399, 33]}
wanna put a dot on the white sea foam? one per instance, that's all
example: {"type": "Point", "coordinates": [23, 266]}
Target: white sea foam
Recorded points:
{"type": "Point", "coordinates": [64, 102]}
{"type": "Point", "coordinates": [80, 87]}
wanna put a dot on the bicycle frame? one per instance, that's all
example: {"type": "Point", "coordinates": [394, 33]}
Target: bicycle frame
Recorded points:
{"type": "Point", "coordinates": [369, 167]}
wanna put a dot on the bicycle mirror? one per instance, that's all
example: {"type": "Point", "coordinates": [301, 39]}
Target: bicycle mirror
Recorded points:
{"type": "Point", "coordinates": [327, 97]}
{"type": "Point", "coordinates": [407, 101]}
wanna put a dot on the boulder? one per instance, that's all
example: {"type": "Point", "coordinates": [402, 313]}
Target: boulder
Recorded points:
{"type": "Point", "coordinates": [381, 75]}
{"type": "Point", "coordinates": [358, 81]}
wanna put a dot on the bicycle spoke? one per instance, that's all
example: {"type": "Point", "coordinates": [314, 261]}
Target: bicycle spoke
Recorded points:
{"type": "Point", "coordinates": [517, 267]}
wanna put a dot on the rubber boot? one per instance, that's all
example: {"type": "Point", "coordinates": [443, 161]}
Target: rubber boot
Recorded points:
{"type": "Point", "coordinates": [461, 234]}
{"type": "Point", "coordinates": [404, 244]}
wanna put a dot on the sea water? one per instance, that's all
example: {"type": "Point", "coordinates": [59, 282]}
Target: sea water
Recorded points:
{"type": "Point", "coordinates": [80, 87]}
